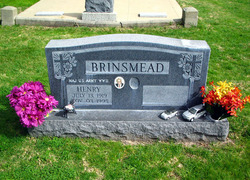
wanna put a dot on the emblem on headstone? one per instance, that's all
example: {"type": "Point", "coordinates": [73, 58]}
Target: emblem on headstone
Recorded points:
{"type": "Point", "coordinates": [119, 82]}
{"type": "Point", "coordinates": [191, 65]}
{"type": "Point", "coordinates": [63, 64]}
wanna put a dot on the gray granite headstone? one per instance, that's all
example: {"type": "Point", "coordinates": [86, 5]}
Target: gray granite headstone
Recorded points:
{"type": "Point", "coordinates": [99, 5]}
{"type": "Point", "coordinates": [122, 82]}
{"type": "Point", "coordinates": [156, 72]}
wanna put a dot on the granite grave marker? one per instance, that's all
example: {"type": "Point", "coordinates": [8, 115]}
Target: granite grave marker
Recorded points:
{"type": "Point", "coordinates": [99, 5]}
{"type": "Point", "coordinates": [99, 11]}
{"type": "Point", "coordinates": [121, 83]}
{"type": "Point", "coordinates": [156, 72]}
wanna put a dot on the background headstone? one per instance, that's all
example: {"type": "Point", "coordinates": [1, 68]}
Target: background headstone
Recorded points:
{"type": "Point", "coordinates": [190, 17]}
{"type": "Point", "coordinates": [99, 6]}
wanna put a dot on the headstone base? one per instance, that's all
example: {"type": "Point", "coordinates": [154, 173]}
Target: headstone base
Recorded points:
{"type": "Point", "coordinates": [130, 125]}
{"type": "Point", "coordinates": [92, 16]}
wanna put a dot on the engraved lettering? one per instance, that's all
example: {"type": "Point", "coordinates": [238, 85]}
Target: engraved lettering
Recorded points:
{"type": "Point", "coordinates": [117, 67]}
{"type": "Point", "coordinates": [124, 67]}
{"type": "Point", "coordinates": [131, 67]}
{"type": "Point", "coordinates": [143, 67]}
{"type": "Point", "coordinates": [85, 95]}
{"type": "Point", "coordinates": [160, 67]}
{"type": "Point", "coordinates": [102, 67]}
{"type": "Point", "coordinates": [88, 89]}
{"type": "Point", "coordinates": [151, 68]}
{"type": "Point", "coordinates": [94, 67]}
{"type": "Point", "coordinates": [72, 80]}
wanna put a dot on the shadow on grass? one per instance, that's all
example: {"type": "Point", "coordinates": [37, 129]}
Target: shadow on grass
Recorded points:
{"type": "Point", "coordinates": [10, 125]}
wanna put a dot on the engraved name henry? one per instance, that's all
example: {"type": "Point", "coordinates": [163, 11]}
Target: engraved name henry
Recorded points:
{"type": "Point", "coordinates": [132, 67]}
{"type": "Point", "coordinates": [90, 94]}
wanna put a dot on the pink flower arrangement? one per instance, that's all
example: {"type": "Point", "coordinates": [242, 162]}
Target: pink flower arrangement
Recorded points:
{"type": "Point", "coordinates": [31, 103]}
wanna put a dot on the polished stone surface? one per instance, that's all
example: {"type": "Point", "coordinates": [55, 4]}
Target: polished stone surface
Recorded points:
{"type": "Point", "coordinates": [127, 71]}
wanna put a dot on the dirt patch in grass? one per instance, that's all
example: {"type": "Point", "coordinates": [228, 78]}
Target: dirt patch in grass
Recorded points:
{"type": "Point", "coordinates": [185, 143]}
{"type": "Point", "coordinates": [89, 169]}
{"type": "Point", "coordinates": [175, 161]}
{"type": "Point", "coordinates": [206, 144]}
{"type": "Point", "coordinates": [134, 143]}
{"type": "Point", "coordinates": [173, 175]}
{"type": "Point", "coordinates": [196, 157]}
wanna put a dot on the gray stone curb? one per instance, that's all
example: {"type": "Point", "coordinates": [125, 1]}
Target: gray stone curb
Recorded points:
{"type": "Point", "coordinates": [148, 130]}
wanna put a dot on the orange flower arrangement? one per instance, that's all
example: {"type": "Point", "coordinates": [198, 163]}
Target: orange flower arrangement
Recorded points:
{"type": "Point", "coordinates": [223, 100]}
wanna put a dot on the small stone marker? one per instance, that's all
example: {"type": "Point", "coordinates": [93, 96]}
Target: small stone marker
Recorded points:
{"type": "Point", "coordinates": [9, 14]}
{"type": "Point", "coordinates": [121, 83]}
{"type": "Point", "coordinates": [190, 17]}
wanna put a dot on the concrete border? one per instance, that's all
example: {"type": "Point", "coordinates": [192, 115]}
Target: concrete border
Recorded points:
{"type": "Point", "coordinates": [187, 16]}
{"type": "Point", "coordinates": [62, 22]}
{"type": "Point", "coordinates": [69, 22]}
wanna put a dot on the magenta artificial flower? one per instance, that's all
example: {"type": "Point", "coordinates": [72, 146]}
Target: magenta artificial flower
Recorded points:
{"type": "Point", "coordinates": [31, 103]}
{"type": "Point", "coordinates": [37, 87]}
{"type": "Point", "coordinates": [13, 96]}
{"type": "Point", "coordinates": [20, 108]}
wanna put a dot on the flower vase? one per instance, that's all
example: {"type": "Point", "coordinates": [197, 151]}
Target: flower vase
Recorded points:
{"type": "Point", "coordinates": [216, 113]}
{"type": "Point", "coordinates": [210, 118]}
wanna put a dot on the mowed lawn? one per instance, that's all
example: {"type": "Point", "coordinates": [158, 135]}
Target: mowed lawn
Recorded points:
{"type": "Point", "coordinates": [225, 27]}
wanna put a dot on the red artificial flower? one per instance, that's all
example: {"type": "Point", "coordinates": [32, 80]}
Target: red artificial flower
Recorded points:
{"type": "Point", "coordinates": [226, 96]}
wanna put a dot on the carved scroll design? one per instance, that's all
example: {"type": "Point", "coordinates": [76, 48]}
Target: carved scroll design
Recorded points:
{"type": "Point", "coordinates": [192, 66]}
{"type": "Point", "coordinates": [63, 63]}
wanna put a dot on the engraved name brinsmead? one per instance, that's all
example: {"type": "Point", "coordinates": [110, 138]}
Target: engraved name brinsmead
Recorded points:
{"type": "Point", "coordinates": [124, 67]}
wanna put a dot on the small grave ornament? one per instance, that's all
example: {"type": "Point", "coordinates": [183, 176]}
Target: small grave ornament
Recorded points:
{"type": "Point", "coordinates": [70, 108]}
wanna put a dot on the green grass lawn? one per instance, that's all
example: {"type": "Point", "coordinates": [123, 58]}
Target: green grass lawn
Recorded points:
{"type": "Point", "coordinates": [225, 27]}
